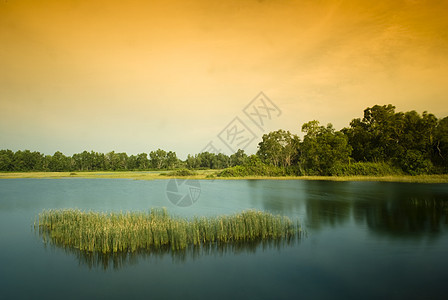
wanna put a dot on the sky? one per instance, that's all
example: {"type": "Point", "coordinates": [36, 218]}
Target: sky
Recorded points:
{"type": "Point", "coordinates": [134, 76]}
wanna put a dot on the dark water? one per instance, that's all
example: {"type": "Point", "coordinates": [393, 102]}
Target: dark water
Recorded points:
{"type": "Point", "coordinates": [365, 240]}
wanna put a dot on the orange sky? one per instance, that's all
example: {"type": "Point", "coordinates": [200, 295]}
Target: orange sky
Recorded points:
{"type": "Point", "coordinates": [140, 75]}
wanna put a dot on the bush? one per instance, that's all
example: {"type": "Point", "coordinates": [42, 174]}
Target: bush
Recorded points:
{"type": "Point", "coordinates": [252, 167]}
{"type": "Point", "coordinates": [364, 168]}
{"type": "Point", "coordinates": [415, 163]}
{"type": "Point", "coordinates": [294, 171]}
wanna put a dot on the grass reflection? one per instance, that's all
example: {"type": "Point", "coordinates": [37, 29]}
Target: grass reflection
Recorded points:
{"type": "Point", "coordinates": [119, 260]}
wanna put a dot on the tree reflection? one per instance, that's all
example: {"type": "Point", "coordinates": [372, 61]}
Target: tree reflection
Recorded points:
{"type": "Point", "coordinates": [117, 261]}
{"type": "Point", "coordinates": [322, 214]}
{"type": "Point", "coordinates": [408, 218]}
{"type": "Point", "coordinates": [397, 210]}
{"type": "Point", "coordinates": [393, 210]}
{"type": "Point", "coordinates": [328, 204]}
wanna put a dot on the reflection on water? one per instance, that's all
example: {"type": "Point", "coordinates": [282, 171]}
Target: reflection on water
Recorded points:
{"type": "Point", "coordinates": [366, 240]}
{"type": "Point", "coordinates": [403, 217]}
{"type": "Point", "coordinates": [390, 209]}
{"type": "Point", "coordinates": [116, 261]}
{"type": "Point", "coordinates": [408, 218]}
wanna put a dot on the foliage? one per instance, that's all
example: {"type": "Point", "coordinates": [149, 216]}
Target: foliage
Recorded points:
{"type": "Point", "coordinates": [160, 159]}
{"type": "Point", "coordinates": [252, 167]}
{"type": "Point", "coordinates": [418, 144]}
{"type": "Point", "coordinates": [440, 145]}
{"type": "Point", "coordinates": [364, 169]}
{"type": "Point", "coordinates": [322, 149]}
{"type": "Point", "coordinates": [238, 158]}
{"type": "Point", "coordinates": [207, 160]}
{"type": "Point", "coordinates": [414, 163]}
{"type": "Point", "coordinates": [279, 148]}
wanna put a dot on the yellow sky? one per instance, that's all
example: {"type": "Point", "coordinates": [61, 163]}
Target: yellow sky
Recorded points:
{"type": "Point", "coordinates": [138, 75]}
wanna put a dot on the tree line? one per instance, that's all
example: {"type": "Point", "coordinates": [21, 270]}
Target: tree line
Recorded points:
{"type": "Point", "coordinates": [25, 161]}
{"type": "Point", "coordinates": [382, 142]}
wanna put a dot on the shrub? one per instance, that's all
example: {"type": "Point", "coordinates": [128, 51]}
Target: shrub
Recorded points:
{"type": "Point", "coordinates": [364, 168]}
{"type": "Point", "coordinates": [415, 163]}
{"type": "Point", "coordinates": [253, 167]}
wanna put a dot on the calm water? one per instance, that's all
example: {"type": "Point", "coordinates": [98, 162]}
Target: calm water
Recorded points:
{"type": "Point", "coordinates": [365, 240]}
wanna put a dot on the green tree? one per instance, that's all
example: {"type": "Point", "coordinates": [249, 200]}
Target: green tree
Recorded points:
{"type": "Point", "coordinates": [238, 158]}
{"type": "Point", "coordinates": [59, 162]}
{"type": "Point", "coordinates": [6, 160]}
{"type": "Point", "coordinates": [114, 161]}
{"type": "Point", "coordinates": [158, 159]}
{"type": "Point", "coordinates": [279, 148]}
{"type": "Point", "coordinates": [222, 161]}
{"type": "Point", "coordinates": [191, 162]}
{"type": "Point", "coordinates": [206, 160]}
{"type": "Point", "coordinates": [27, 161]}
{"type": "Point", "coordinates": [132, 163]}
{"type": "Point", "coordinates": [405, 139]}
{"type": "Point", "coordinates": [440, 146]}
{"type": "Point", "coordinates": [322, 148]}
{"type": "Point", "coordinates": [374, 138]}
{"type": "Point", "coordinates": [142, 161]}
{"type": "Point", "coordinates": [171, 160]}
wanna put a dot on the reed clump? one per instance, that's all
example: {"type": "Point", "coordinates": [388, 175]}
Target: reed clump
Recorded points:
{"type": "Point", "coordinates": [156, 229]}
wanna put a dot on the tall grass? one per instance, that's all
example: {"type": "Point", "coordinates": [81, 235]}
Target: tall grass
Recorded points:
{"type": "Point", "coordinates": [133, 231]}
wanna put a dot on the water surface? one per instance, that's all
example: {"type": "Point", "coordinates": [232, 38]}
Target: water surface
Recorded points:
{"type": "Point", "coordinates": [365, 240]}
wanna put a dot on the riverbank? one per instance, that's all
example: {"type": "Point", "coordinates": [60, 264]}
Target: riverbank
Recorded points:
{"type": "Point", "coordinates": [205, 174]}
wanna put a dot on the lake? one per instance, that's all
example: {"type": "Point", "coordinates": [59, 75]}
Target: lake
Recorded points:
{"type": "Point", "coordinates": [365, 240]}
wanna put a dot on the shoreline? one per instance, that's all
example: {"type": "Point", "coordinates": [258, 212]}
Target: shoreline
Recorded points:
{"type": "Point", "coordinates": [202, 174]}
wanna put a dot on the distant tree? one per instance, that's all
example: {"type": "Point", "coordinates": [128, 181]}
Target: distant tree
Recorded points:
{"type": "Point", "coordinates": [98, 161]}
{"type": "Point", "coordinates": [116, 161]}
{"type": "Point", "coordinates": [440, 145]}
{"type": "Point", "coordinates": [374, 137]}
{"type": "Point", "coordinates": [158, 159]}
{"type": "Point", "coordinates": [59, 162]}
{"type": "Point", "coordinates": [27, 161]}
{"type": "Point", "coordinates": [238, 158]}
{"type": "Point", "coordinates": [46, 162]}
{"type": "Point", "coordinates": [142, 161]}
{"type": "Point", "coordinates": [122, 161]}
{"type": "Point", "coordinates": [89, 161]}
{"type": "Point", "coordinates": [171, 160]}
{"type": "Point", "coordinates": [111, 161]}
{"type": "Point", "coordinates": [221, 161]}
{"type": "Point", "coordinates": [132, 163]}
{"type": "Point", "coordinates": [6, 160]}
{"type": "Point", "coordinates": [191, 162]}
{"type": "Point", "coordinates": [278, 148]}
{"type": "Point", "coordinates": [322, 148]}
{"type": "Point", "coordinates": [405, 139]}
{"type": "Point", "coordinates": [206, 160]}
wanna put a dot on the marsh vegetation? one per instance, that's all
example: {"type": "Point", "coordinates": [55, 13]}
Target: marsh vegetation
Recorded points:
{"type": "Point", "coordinates": [156, 229]}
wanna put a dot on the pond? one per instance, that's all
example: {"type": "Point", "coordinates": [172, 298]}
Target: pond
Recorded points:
{"type": "Point", "coordinates": [363, 240]}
